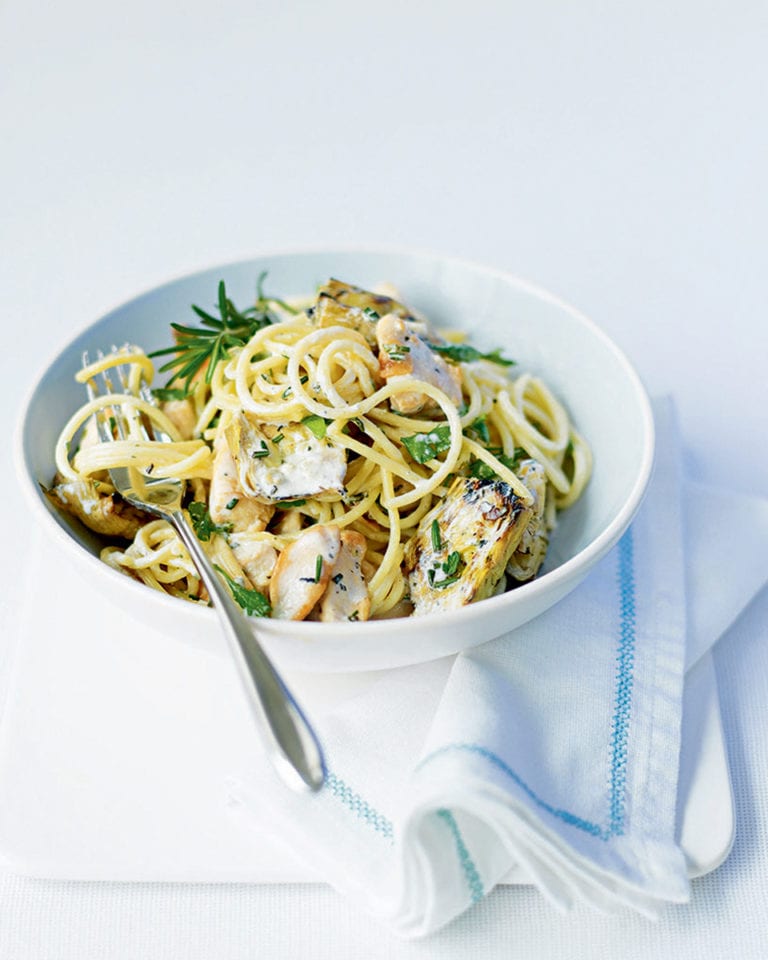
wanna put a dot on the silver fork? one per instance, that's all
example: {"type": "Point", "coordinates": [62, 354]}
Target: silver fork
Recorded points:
{"type": "Point", "coordinates": [288, 737]}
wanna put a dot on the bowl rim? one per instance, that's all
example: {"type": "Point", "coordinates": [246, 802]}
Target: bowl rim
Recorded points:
{"type": "Point", "coordinates": [571, 568]}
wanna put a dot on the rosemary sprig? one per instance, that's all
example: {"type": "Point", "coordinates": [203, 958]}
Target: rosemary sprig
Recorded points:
{"type": "Point", "coordinates": [212, 341]}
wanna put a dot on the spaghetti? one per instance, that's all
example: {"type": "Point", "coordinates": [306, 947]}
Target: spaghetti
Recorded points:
{"type": "Point", "coordinates": [350, 416]}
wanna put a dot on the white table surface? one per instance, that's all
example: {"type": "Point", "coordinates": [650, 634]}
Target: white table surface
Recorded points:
{"type": "Point", "coordinates": [615, 154]}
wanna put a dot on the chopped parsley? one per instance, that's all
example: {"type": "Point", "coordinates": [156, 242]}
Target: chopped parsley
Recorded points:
{"type": "Point", "coordinates": [202, 523]}
{"type": "Point", "coordinates": [481, 470]}
{"type": "Point", "coordinates": [463, 353]}
{"type": "Point", "coordinates": [285, 504]}
{"type": "Point", "coordinates": [253, 602]}
{"type": "Point", "coordinates": [424, 447]}
{"type": "Point", "coordinates": [480, 429]}
{"type": "Point", "coordinates": [316, 424]}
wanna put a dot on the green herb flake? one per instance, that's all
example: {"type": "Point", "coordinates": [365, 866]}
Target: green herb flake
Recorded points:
{"type": "Point", "coordinates": [233, 503]}
{"type": "Point", "coordinates": [437, 543]}
{"type": "Point", "coordinates": [463, 353]}
{"type": "Point", "coordinates": [278, 437]}
{"type": "Point", "coordinates": [318, 567]}
{"type": "Point", "coordinates": [263, 451]}
{"type": "Point", "coordinates": [441, 584]}
{"type": "Point", "coordinates": [203, 525]}
{"type": "Point", "coordinates": [451, 570]}
{"type": "Point", "coordinates": [371, 313]}
{"type": "Point", "coordinates": [287, 504]}
{"type": "Point", "coordinates": [169, 393]}
{"type": "Point", "coordinates": [481, 470]}
{"type": "Point", "coordinates": [424, 447]}
{"type": "Point", "coordinates": [316, 425]}
{"type": "Point", "coordinates": [254, 603]}
{"type": "Point", "coordinates": [396, 351]}
{"type": "Point", "coordinates": [480, 428]}
{"type": "Point", "coordinates": [452, 563]}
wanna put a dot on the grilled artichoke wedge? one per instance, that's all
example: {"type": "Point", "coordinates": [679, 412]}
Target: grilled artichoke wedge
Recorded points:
{"type": "Point", "coordinates": [285, 461]}
{"type": "Point", "coordinates": [349, 306]}
{"type": "Point", "coordinates": [462, 546]}
{"type": "Point", "coordinates": [529, 555]}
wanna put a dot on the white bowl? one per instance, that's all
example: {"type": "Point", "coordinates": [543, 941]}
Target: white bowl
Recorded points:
{"type": "Point", "coordinates": [585, 369]}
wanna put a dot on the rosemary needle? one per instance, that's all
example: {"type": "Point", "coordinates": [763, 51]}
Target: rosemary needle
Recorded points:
{"type": "Point", "coordinates": [202, 347]}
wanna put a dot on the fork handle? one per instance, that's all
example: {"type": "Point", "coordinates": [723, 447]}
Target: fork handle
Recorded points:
{"type": "Point", "coordinates": [290, 740]}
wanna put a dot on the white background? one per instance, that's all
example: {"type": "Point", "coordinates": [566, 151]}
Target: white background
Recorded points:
{"type": "Point", "coordinates": [613, 153]}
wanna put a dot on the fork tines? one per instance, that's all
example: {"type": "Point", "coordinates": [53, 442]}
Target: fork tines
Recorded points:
{"type": "Point", "coordinates": [109, 419]}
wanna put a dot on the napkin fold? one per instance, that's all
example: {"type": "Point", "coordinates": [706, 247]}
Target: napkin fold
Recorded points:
{"type": "Point", "coordinates": [553, 749]}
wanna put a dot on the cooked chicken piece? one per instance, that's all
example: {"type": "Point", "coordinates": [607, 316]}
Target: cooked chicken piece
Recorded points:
{"type": "Point", "coordinates": [403, 355]}
{"type": "Point", "coordinates": [256, 557]}
{"type": "Point", "coordinates": [181, 413]}
{"type": "Point", "coordinates": [462, 546]}
{"type": "Point", "coordinates": [108, 514]}
{"type": "Point", "coordinates": [284, 463]}
{"type": "Point", "coordinates": [303, 572]}
{"type": "Point", "coordinates": [529, 555]}
{"type": "Point", "coordinates": [227, 501]}
{"type": "Point", "coordinates": [346, 597]}
{"type": "Point", "coordinates": [349, 306]}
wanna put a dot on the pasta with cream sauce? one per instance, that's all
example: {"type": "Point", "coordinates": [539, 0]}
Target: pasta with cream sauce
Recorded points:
{"type": "Point", "coordinates": [345, 461]}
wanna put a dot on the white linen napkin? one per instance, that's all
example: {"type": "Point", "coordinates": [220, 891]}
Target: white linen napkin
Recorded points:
{"type": "Point", "coordinates": [553, 749]}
